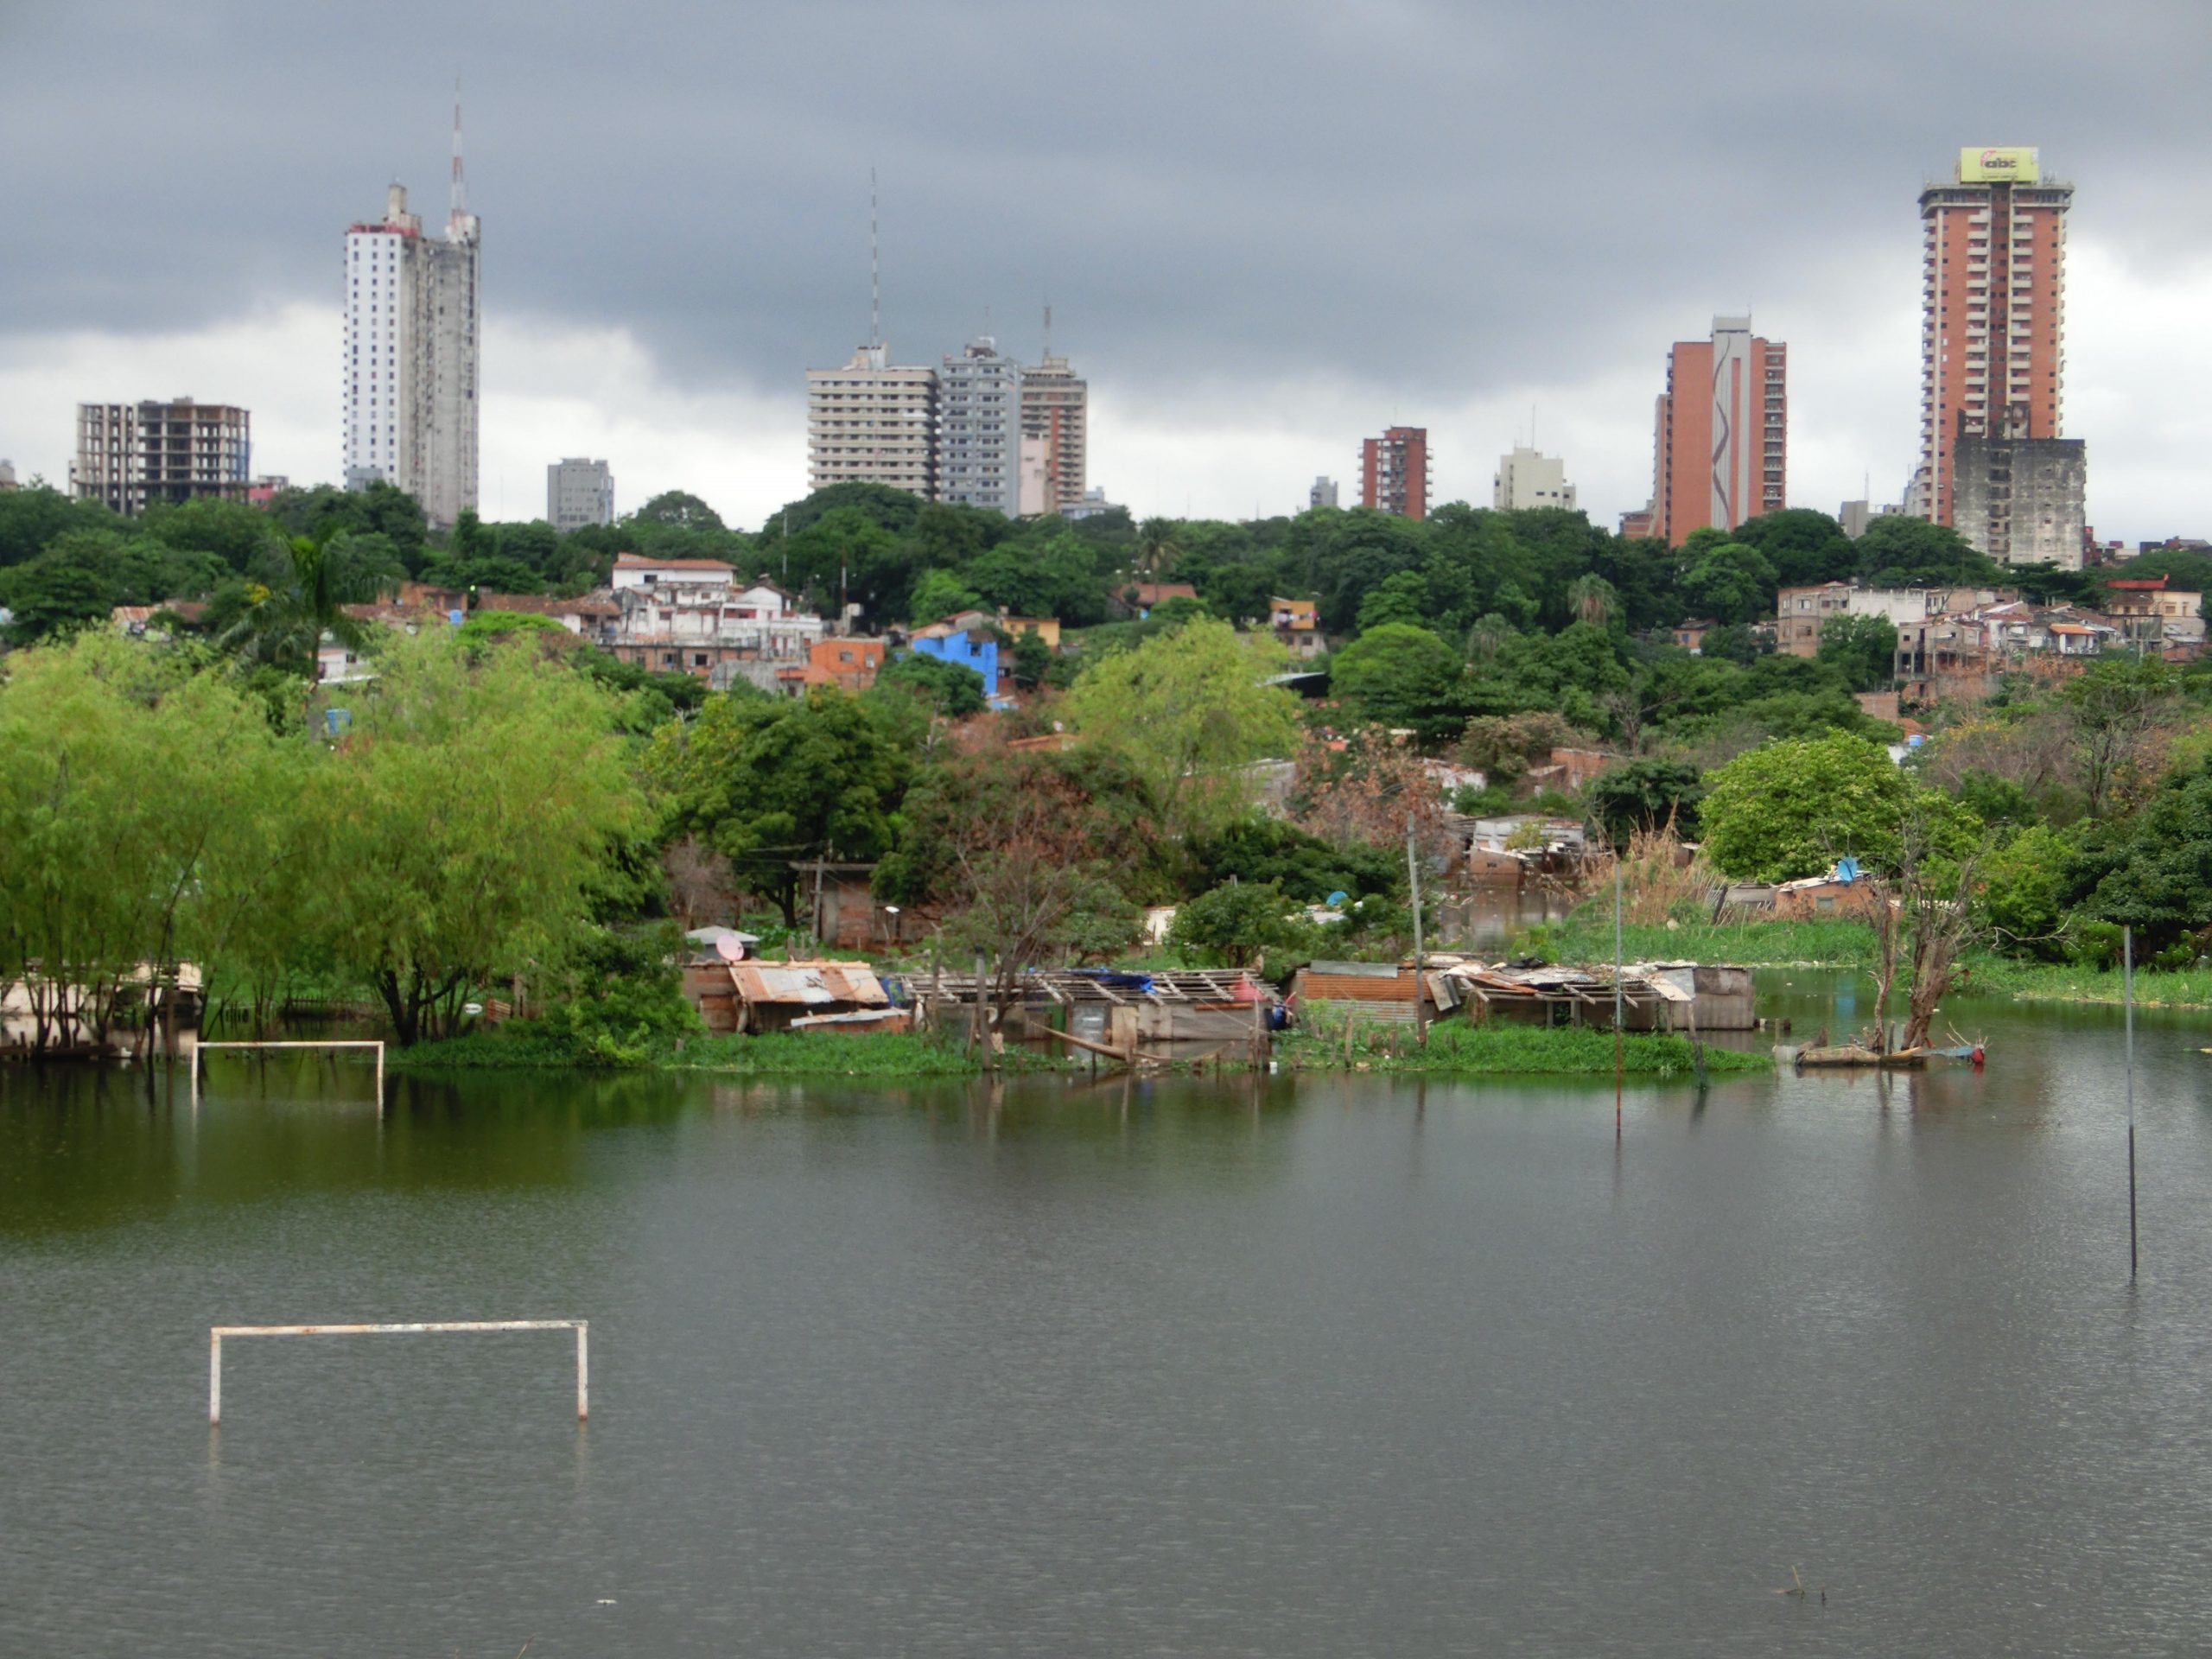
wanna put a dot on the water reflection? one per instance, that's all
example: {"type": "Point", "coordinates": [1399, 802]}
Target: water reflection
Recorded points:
{"type": "Point", "coordinates": [1314, 1365]}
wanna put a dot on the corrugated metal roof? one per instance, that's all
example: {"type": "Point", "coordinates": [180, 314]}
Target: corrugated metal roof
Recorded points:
{"type": "Point", "coordinates": [811, 984]}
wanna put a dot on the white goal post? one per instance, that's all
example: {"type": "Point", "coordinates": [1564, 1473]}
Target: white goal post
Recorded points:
{"type": "Point", "coordinates": [217, 1332]}
{"type": "Point", "coordinates": [199, 1049]}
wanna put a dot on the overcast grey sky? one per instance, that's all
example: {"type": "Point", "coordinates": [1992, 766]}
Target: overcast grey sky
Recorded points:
{"type": "Point", "coordinates": [1265, 230]}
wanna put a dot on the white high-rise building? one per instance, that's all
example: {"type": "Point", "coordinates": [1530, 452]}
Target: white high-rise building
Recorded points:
{"type": "Point", "coordinates": [979, 429]}
{"type": "Point", "coordinates": [409, 373]}
{"type": "Point", "coordinates": [1526, 479]}
{"type": "Point", "coordinates": [872, 422]}
{"type": "Point", "coordinates": [579, 492]}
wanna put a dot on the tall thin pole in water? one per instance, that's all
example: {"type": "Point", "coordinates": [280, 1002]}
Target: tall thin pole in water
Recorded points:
{"type": "Point", "coordinates": [1617, 996]}
{"type": "Point", "coordinates": [2127, 995]}
{"type": "Point", "coordinates": [1420, 977]}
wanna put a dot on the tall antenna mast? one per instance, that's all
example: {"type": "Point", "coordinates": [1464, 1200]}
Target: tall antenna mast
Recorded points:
{"type": "Point", "coordinates": [875, 272]}
{"type": "Point", "coordinates": [1048, 330]}
{"type": "Point", "coordinates": [459, 209]}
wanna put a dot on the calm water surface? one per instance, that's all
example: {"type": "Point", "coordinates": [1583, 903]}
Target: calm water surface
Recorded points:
{"type": "Point", "coordinates": [1328, 1367]}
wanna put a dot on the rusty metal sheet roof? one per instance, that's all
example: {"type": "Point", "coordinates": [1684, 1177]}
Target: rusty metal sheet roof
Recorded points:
{"type": "Point", "coordinates": [812, 984]}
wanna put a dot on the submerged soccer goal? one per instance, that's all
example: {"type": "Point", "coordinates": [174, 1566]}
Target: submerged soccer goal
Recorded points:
{"type": "Point", "coordinates": [200, 1049]}
{"type": "Point", "coordinates": [217, 1332]}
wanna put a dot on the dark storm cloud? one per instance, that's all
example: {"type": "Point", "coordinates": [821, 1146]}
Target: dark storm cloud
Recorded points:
{"type": "Point", "coordinates": [1436, 197]}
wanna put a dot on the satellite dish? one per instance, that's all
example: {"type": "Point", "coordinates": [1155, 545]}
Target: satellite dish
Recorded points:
{"type": "Point", "coordinates": [730, 948]}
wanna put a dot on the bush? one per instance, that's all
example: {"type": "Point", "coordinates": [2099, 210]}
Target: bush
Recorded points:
{"type": "Point", "coordinates": [1231, 926]}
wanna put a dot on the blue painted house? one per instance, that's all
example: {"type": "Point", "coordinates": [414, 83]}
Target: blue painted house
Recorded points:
{"type": "Point", "coordinates": [973, 651]}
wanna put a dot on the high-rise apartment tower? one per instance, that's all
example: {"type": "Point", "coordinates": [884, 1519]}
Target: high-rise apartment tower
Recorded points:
{"type": "Point", "coordinates": [1394, 472]}
{"type": "Point", "coordinates": [871, 423]}
{"type": "Point", "coordinates": [1992, 332]}
{"type": "Point", "coordinates": [1721, 436]}
{"type": "Point", "coordinates": [412, 335]}
{"type": "Point", "coordinates": [1056, 414]}
{"type": "Point", "coordinates": [131, 456]}
{"type": "Point", "coordinates": [979, 429]}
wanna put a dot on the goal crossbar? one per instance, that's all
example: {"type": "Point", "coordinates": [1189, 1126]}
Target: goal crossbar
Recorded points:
{"type": "Point", "coordinates": [217, 1332]}
{"type": "Point", "coordinates": [199, 1049]}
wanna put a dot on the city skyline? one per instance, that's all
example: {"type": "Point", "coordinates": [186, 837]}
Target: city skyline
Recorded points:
{"type": "Point", "coordinates": [1225, 373]}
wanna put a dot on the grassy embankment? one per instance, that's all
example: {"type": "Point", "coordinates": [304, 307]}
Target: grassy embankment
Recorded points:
{"type": "Point", "coordinates": [1457, 1048]}
{"type": "Point", "coordinates": [819, 1054]}
{"type": "Point", "coordinates": [1587, 935]}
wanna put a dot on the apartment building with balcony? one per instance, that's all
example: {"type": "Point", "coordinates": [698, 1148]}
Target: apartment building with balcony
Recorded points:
{"type": "Point", "coordinates": [872, 422]}
{"type": "Point", "coordinates": [1720, 443]}
{"type": "Point", "coordinates": [979, 414]}
{"type": "Point", "coordinates": [1055, 404]}
{"type": "Point", "coordinates": [1993, 334]}
{"type": "Point", "coordinates": [1395, 471]}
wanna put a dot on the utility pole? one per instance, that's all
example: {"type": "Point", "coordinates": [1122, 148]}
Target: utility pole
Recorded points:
{"type": "Point", "coordinates": [1421, 979]}
{"type": "Point", "coordinates": [1617, 998]}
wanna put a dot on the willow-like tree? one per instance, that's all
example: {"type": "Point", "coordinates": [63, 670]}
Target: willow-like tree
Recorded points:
{"type": "Point", "coordinates": [126, 784]}
{"type": "Point", "coordinates": [466, 824]}
{"type": "Point", "coordinates": [1191, 711]}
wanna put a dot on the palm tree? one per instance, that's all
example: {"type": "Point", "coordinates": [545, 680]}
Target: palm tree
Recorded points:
{"type": "Point", "coordinates": [1156, 545]}
{"type": "Point", "coordinates": [1486, 635]}
{"type": "Point", "coordinates": [302, 599]}
{"type": "Point", "coordinates": [1594, 598]}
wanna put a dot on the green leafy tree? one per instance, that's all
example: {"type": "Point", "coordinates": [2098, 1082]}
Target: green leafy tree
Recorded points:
{"type": "Point", "coordinates": [2113, 708]}
{"type": "Point", "coordinates": [1400, 599]}
{"type": "Point", "coordinates": [2152, 871]}
{"type": "Point", "coordinates": [939, 594]}
{"type": "Point", "coordinates": [1899, 550]}
{"type": "Point", "coordinates": [678, 510]}
{"type": "Point", "coordinates": [1862, 649]}
{"type": "Point", "coordinates": [1790, 808]}
{"type": "Point", "coordinates": [1262, 850]}
{"type": "Point", "coordinates": [32, 519]}
{"type": "Point", "coordinates": [1095, 813]}
{"type": "Point", "coordinates": [1803, 546]}
{"type": "Point", "coordinates": [1646, 795]}
{"type": "Point", "coordinates": [1729, 582]}
{"type": "Point", "coordinates": [1397, 674]}
{"type": "Point", "coordinates": [948, 688]}
{"type": "Point", "coordinates": [466, 823]}
{"type": "Point", "coordinates": [1033, 661]}
{"type": "Point", "coordinates": [765, 782]}
{"type": "Point", "coordinates": [1234, 925]}
{"type": "Point", "coordinates": [2022, 892]}
{"type": "Point", "coordinates": [51, 598]}
{"type": "Point", "coordinates": [1191, 711]}
{"type": "Point", "coordinates": [127, 784]}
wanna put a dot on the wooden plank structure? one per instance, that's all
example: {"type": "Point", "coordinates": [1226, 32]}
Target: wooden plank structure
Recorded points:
{"type": "Point", "coordinates": [1160, 1018]}
{"type": "Point", "coordinates": [1654, 996]}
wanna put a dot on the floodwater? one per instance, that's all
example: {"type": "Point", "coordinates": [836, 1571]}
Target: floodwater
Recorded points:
{"type": "Point", "coordinates": [1335, 1366]}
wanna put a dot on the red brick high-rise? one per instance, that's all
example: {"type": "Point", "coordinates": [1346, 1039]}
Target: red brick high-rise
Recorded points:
{"type": "Point", "coordinates": [1992, 334]}
{"type": "Point", "coordinates": [1721, 442]}
{"type": "Point", "coordinates": [1394, 472]}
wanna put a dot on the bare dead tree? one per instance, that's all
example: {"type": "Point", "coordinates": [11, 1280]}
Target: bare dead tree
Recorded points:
{"type": "Point", "coordinates": [1924, 917]}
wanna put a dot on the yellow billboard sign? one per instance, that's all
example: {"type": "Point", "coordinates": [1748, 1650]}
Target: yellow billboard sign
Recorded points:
{"type": "Point", "coordinates": [2005, 164]}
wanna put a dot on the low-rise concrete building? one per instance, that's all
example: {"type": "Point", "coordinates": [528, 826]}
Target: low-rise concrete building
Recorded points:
{"type": "Point", "coordinates": [2155, 615]}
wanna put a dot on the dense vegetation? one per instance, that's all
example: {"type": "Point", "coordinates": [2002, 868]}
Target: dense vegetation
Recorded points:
{"type": "Point", "coordinates": [502, 803]}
